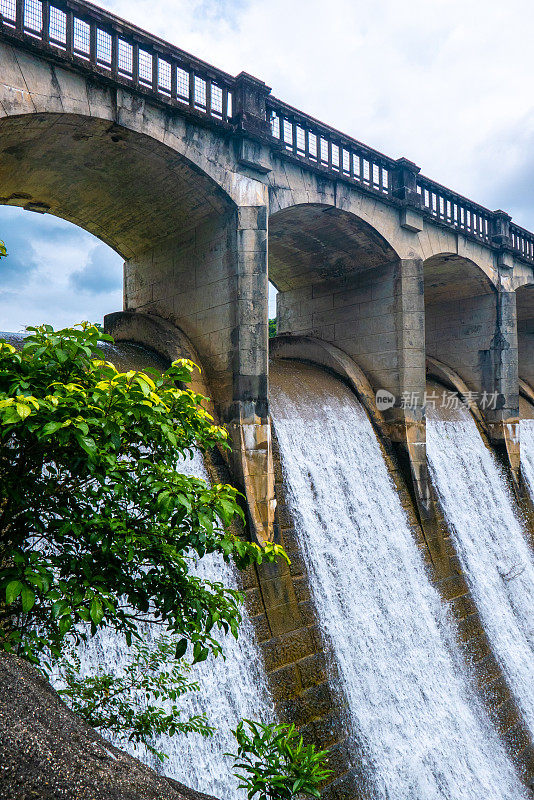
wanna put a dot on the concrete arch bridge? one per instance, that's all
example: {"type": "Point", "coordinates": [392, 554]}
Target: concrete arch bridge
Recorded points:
{"type": "Point", "coordinates": [209, 187]}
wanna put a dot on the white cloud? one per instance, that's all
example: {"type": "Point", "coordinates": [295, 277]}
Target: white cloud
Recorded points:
{"type": "Point", "coordinates": [441, 82]}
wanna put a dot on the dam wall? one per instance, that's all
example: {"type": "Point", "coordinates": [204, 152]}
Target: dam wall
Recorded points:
{"type": "Point", "coordinates": [209, 187]}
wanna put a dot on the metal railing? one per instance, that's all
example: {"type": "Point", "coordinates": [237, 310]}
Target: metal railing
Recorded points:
{"type": "Point", "coordinates": [91, 39]}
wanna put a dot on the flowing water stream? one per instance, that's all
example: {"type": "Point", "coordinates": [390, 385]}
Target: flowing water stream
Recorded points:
{"type": "Point", "coordinates": [526, 411]}
{"type": "Point", "coordinates": [411, 705]}
{"type": "Point", "coordinates": [229, 690]}
{"type": "Point", "coordinates": [490, 542]}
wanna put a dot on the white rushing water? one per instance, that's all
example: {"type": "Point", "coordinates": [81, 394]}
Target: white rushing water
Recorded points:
{"type": "Point", "coordinates": [229, 690]}
{"type": "Point", "coordinates": [411, 705]}
{"type": "Point", "coordinates": [527, 452]}
{"type": "Point", "coordinates": [490, 542]}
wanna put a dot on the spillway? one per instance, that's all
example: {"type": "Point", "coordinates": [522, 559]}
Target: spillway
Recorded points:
{"type": "Point", "coordinates": [490, 542]}
{"type": "Point", "coordinates": [421, 730]}
{"type": "Point", "coordinates": [526, 413]}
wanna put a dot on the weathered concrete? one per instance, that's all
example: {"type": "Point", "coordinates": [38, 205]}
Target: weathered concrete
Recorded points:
{"type": "Point", "coordinates": [198, 212]}
{"type": "Point", "coordinates": [205, 211]}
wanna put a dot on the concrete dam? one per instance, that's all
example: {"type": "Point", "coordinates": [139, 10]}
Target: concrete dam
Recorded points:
{"type": "Point", "coordinates": [385, 436]}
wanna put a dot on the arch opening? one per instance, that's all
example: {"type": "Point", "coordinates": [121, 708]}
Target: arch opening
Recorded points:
{"type": "Point", "coordinates": [126, 188]}
{"type": "Point", "coordinates": [171, 222]}
{"type": "Point", "coordinates": [310, 244]}
{"type": "Point", "coordinates": [55, 273]}
{"type": "Point", "coordinates": [460, 318]}
{"type": "Point", "coordinates": [525, 333]}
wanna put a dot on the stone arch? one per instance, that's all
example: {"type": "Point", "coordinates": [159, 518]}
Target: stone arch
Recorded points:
{"type": "Point", "coordinates": [525, 332]}
{"type": "Point", "coordinates": [129, 190]}
{"type": "Point", "coordinates": [140, 196]}
{"type": "Point", "coordinates": [338, 281]}
{"type": "Point", "coordinates": [314, 243]}
{"type": "Point", "coordinates": [460, 315]}
{"type": "Point", "coordinates": [31, 86]}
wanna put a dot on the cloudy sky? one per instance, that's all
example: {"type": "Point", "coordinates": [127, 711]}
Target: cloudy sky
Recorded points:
{"type": "Point", "coordinates": [446, 83]}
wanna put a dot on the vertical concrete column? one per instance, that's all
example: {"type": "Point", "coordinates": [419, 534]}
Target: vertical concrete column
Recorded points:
{"type": "Point", "coordinates": [211, 283]}
{"type": "Point", "coordinates": [406, 418]}
{"type": "Point", "coordinates": [247, 416]}
{"type": "Point", "coordinates": [500, 379]}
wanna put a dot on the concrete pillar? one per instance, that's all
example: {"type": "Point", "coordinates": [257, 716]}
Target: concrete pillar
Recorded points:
{"type": "Point", "coordinates": [499, 374]}
{"type": "Point", "coordinates": [211, 283]}
{"type": "Point", "coordinates": [247, 416]}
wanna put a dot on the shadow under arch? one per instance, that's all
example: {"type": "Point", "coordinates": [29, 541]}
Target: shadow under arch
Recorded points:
{"type": "Point", "coordinates": [314, 243]}
{"type": "Point", "coordinates": [125, 187]}
{"type": "Point", "coordinates": [462, 319]}
{"type": "Point", "coordinates": [338, 281]}
{"type": "Point", "coordinates": [525, 332]}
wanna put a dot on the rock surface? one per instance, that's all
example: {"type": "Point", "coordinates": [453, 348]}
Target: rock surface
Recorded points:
{"type": "Point", "coordinates": [47, 752]}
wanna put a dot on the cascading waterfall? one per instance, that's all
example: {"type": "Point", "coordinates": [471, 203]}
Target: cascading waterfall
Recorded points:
{"type": "Point", "coordinates": [229, 690]}
{"type": "Point", "coordinates": [527, 452]}
{"type": "Point", "coordinates": [490, 542]}
{"type": "Point", "coordinates": [411, 704]}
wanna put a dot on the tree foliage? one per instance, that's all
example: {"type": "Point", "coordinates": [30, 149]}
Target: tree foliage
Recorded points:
{"type": "Point", "coordinates": [3, 250]}
{"type": "Point", "coordinates": [97, 523]}
{"type": "Point", "coordinates": [272, 328]}
{"type": "Point", "coordinates": [273, 762]}
{"type": "Point", "coordinates": [140, 704]}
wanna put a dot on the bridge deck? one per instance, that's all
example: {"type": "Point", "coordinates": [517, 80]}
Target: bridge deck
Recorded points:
{"type": "Point", "coordinates": [82, 36]}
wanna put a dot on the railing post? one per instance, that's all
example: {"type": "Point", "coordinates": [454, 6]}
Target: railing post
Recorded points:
{"type": "Point", "coordinates": [501, 239]}
{"type": "Point", "coordinates": [45, 27]}
{"type": "Point", "coordinates": [92, 43]}
{"type": "Point", "coordinates": [404, 182]}
{"type": "Point", "coordinates": [19, 16]}
{"type": "Point", "coordinates": [500, 229]}
{"type": "Point", "coordinates": [250, 116]}
{"type": "Point", "coordinates": [69, 32]}
{"type": "Point", "coordinates": [250, 112]}
{"type": "Point", "coordinates": [114, 53]}
{"type": "Point", "coordinates": [404, 188]}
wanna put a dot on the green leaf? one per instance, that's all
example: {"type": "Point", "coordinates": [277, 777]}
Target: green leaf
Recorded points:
{"type": "Point", "coordinates": [96, 611]}
{"type": "Point", "coordinates": [28, 598]}
{"type": "Point", "coordinates": [181, 647]}
{"type": "Point", "coordinates": [65, 623]}
{"type": "Point", "coordinates": [50, 428]}
{"type": "Point", "coordinates": [13, 589]}
{"type": "Point", "coordinates": [23, 410]}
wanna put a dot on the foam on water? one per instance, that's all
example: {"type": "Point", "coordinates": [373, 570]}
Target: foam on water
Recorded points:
{"type": "Point", "coordinates": [412, 708]}
{"type": "Point", "coordinates": [527, 452]}
{"type": "Point", "coordinates": [490, 542]}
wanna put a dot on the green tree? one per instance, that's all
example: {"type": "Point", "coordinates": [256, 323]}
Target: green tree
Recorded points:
{"type": "Point", "coordinates": [273, 762]}
{"type": "Point", "coordinates": [3, 250]}
{"type": "Point", "coordinates": [141, 703]}
{"type": "Point", "coordinates": [97, 523]}
{"type": "Point", "coordinates": [272, 328]}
